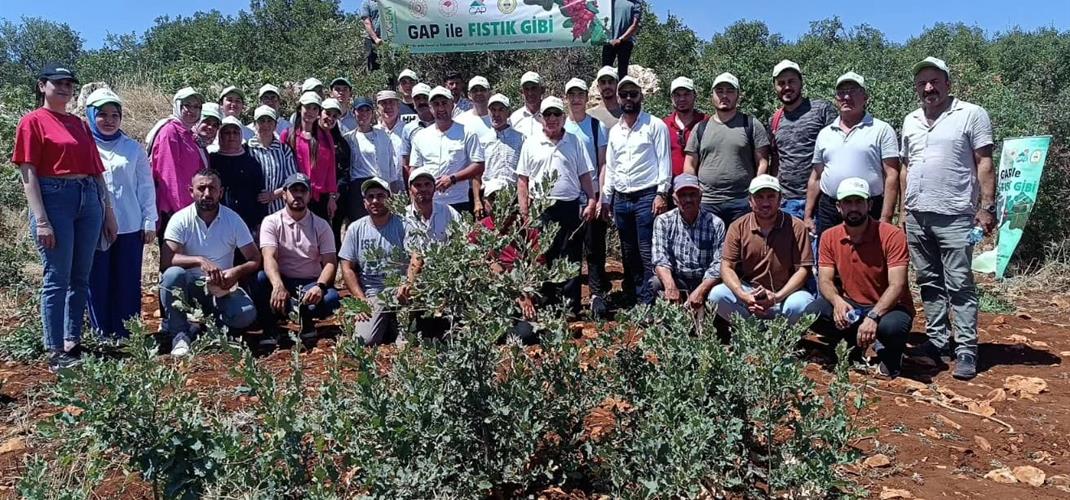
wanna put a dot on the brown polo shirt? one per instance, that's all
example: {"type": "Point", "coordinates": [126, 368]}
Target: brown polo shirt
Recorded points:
{"type": "Point", "coordinates": [770, 259]}
{"type": "Point", "coordinates": [862, 267]}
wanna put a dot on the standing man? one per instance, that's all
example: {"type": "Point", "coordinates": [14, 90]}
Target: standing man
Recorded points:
{"type": "Point", "coordinates": [527, 120]}
{"type": "Point", "coordinates": [342, 91]}
{"type": "Point", "coordinates": [682, 120]}
{"type": "Point", "coordinates": [372, 248]}
{"type": "Point", "coordinates": [636, 187]}
{"type": "Point", "coordinates": [766, 260]}
{"type": "Point", "coordinates": [608, 111]}
{"type": "Point", "coordinates": [501, 148]}
{"type": "Point", "coordinates": [726, 152]}
{"type": "Point", "coordinates": [863, 281]}
{"type": "Point", "coordinates": [593, 135]}
{"type": "Point", "coordinates": [477, 118]}
{"type": "Point", "coordinates": [369, 16]}
{"type": "Point", "coordinates": [421, 94]}
{"type": "Point", "coordinates": [450, 151]}
{"type": "Point", "coordinates": [687, 248]}
{"type": "Point", "coordinates": [554, 152]}
{"type": "Point", "coordinates": [390, 122]}
{"type": "Point", "coordinates": [947, 148]}
{"type": "Point", "coordinates": [299, 265]}
{"type": "Point", "coordinates": [626, 17]}
{"type": "Point", "coordinates": [855, 145]}
{"type": "Point", "coordinates": [406, 81]}
{"type": "Point", "coordinates": [455, 85]}
{"type": "Point", "coordinates": [794, 128]}
{"type": "Point", "coordinates": [269, 96]}
{"type": "Point", "coordinates": [202, 239]}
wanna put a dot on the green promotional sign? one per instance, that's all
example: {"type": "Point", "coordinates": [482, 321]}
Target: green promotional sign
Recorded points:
{"type": "Point", "coordinates": [430, 26]}
{"type": "Point", "coordinates": [1020, 167]}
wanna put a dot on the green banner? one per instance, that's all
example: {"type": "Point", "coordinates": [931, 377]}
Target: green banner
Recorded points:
{"type": "Point", "coordinates": [431, 26]}
{"type": "Point", "coordinates": [1020, 168]}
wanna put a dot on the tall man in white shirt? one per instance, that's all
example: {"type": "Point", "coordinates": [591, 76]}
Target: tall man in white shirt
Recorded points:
{"type": "Point", "coordinates": [421, 93]}
{"type": "Point", "coordinates": [450, 151]}
{"type": "Point", "coordinates": [477, 118]}
{"type": "Point", "coordinates": [947, 148]}
{"type": "Point", "coordinates": [556, 152]}
{"type": "Point", "coordinates": [527, 120]}
{"type": "Point", "coordinates": [636, 187]}
{"type": "Point", "coordinates": [501, 149]}
{"type": "Point", "coordinates": [390, 122]}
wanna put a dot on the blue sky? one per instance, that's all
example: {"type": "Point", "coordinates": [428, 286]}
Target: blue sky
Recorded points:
{"type": "Point", "coordinates": [899, 20]}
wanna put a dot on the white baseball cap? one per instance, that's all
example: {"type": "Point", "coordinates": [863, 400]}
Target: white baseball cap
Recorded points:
{"type": "Point", "coordinates": [682, 82]}
{"type": "Point", "coordinates": [408, 73]}
{"type": "Point", "coordinates": [231, 89]}
{"type": "Point", "coordinates": [728, 78]}
{"type": "Point", "coordinates": [310, 84]}
{"type": "Point", "coordinates": [267, 88]}
{"type": "Point", "coordinates": [607, 71]}
{"type": "Point", "coordinates": [551, 103]}
{"type": "Point", "coordinates": [530, 77]}
{"type": "Point", "coordinates": [440, 91]}
{"type": "Point", "coordinates": [310, 98]}
{"type": "Point", "coordinates": [374, 182]}
{"type": "Point", "coordinates": [385, 95]}
{"type": "Point", "coordinates": [211, 110]}
{"type": "Point", "coordinates": [187, 92]}
{"type": "Point", "coordinates": [628, 80]}
{"type": "Point", "coordinates": [421, 89]}
{"type": "Point", "coordinates": [785, 65]}
{"type": "Point", "coordinates": [500, 99]}
{"type": "Point", "coordinates": [852, 186]}
{"type": "Point", "coordinates": [851, 76]}
{"type": "Point", "coordinates": [262, 111]}
{"type": "Point", "coordinates": [932, 62]}
{"type": "Point", "coordinates": [102, 96]}
{"type": "Point", "coordinates": [230, 121]}
{"type": "Point", "coordinates": [478, 81]}
{"type": "Point", "coordinates": [421, 172]}
{"type": "Point", "coordinates": [575, 83]}
{"type": "Point", "coordinates": [764, 181]}
{"type": "Point", "coordinates": [331, 104]}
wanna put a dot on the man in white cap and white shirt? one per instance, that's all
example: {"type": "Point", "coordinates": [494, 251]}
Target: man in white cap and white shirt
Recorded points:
{"type": "Point", "coordinates": [593, 134]}
{"type": "Point", "coordinates": [636, 186]}
{"type": "Point", "coordinates": [682, 120]}
{"type": "Point", "coordinates": [388, 103]}
{"type": "Point", "coordinates": [421, 94]}
{"type": "Point", "coordinates": [527, 120]}
{"type": "Point", "coordinates": [950, 188]}
{"type": "Point", "coordinates": [726, 152]}
{"type": "Point", "coordinates": [406, 81]}
{"type": "Point", "coordinates": [477, 118]}
{"type": "Point", "coordinates": [794, 128]}
{"type": "Point", "coordinates": [342, 91]}
{"type": "Point", "coordinates": [855, 145]}
{"type": "Point", "coordinates": [269, 96]}
{"type": "Point", "coordinates": [554, 152]}
{"type": "Point", "coordinates": [609, 110]}
{"type": "Point", "coordinates": [451, 151]}
{"type": "Point", "coordinates": [501, 150]}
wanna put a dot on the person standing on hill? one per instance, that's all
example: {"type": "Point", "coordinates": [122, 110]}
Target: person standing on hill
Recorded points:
{"type": "Point", "coordinates": [176, 156]}
{"type": "Point", "coordinates": [794, 128]}
{"type": "Point", "coordinates": [70, 208]}
{"type": "Point", "coordinates": [626, 17]}
{"type": "Point", "coordinates": [682, 120]}
{"type": "Point", "coordinates": [947, 149]}
{"type": "Point", "coordinates": [276, 159]}
{"type": "Point", "coordinates": [609, 110]}
{"type": "Point", "coordinates": [115, 281]}
{"type": "Point", "coordinates": [240, 174]}
{"type": "Point", "coordinates": [421, 94]}
{"type": "Point", "coordinates": [269, 96]}
{"type": "Point", "coordinates": [726, 152]}
{"type": "Point", "coordinates": [501, 149]}
{"type": "Point", "coordinates": [369, 17]}
{"type": "Point", "coordinates": [314, 151]}
{"type": "Point", "coordinates": [527, 120]}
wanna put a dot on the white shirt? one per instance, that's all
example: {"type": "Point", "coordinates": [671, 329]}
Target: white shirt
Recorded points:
{"type": "Point", "coordinates": [371, 154]}
{"type": "Point", "coordinates": [447, 153]}
{"type": "Point", "coordinates": [216, 242]}
{"type": "Point", "coordinates": [638, 157]}
{"type": "Point", "coordinates": [420, 232]}
{"type": "Point", "coordinates": [583, 132]}
{"type": "Point", "coordinates": [478, 124]}
{"type": "Point", "coordinates": [501, 148]}
{"type": "Point", "coordinates": [347, 121]}
{"type": "Point", "coordinates": [395, 140]}
{"type": "Point", "coordinates": [568, 158]}
{"type": "Point", "coordinates": [129, 179]}
{"type": "Point", "coordinates": [859, 152]}
{"type": "Point", "coordinates": [407, 133]}
{"type": "Point", "coordinates": [526, 122]}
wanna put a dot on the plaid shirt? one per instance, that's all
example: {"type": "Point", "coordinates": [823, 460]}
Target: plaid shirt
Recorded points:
{"type": "Point", "coordinates": [689, 251]}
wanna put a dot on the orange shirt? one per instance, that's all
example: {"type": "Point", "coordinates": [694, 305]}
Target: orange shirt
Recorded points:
{"type": "Point", "coordinates": [862, 267]}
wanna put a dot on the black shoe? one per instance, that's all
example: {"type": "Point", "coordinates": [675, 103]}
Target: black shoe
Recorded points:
{"type": "Point", "coordinates": [965, 366]}
{"type": "Point", "coordinates": [598, 308]}
{"type": "Point", "coordinates": [887, 372]}
{"type": "Point", "coordinates": [59, 360]}
{"type": "Point", "coordinates": [939, 356]}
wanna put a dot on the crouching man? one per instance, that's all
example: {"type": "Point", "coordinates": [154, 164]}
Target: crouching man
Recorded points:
{"type": "Point", "coordinates": [299, 265]}
{"type": "Point", "coordinates": [869, 258]}
{"type": "Point", "coordinates": [202, 239]}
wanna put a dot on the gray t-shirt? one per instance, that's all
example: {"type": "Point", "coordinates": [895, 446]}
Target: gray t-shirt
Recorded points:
{"type": "Point", "coordinates": [376, 251]}
{"type": "Point", "coordinates": [370, 9]}
{"type": "Point", "coordinates": [726, 157]}
{"type": "Point", "coordinates": [795, 138]}
{"type": "Point", "coordinates": [624, 11]}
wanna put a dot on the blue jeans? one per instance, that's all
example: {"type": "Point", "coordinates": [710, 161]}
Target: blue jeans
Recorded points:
{"type": "Point", "coordinates": [74, 209]}
{"type": "Point", "coordinates": [725, 304]}
{"type": "Point", "coordinates": [115, 285]}
{"type": "Point", "coordinates": [794, 208]}
{"type": "Point", "coordinates": [234, 310]}
{"type": "Point", "coordinates": [298, 287]}
{"type": "Point", "coordinates": [633, 213]}
{"type": "Point", "coordinates": [728, 211]}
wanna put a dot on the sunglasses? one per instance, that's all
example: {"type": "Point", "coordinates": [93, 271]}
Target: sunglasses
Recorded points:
{"type": "Point", "coordinates": [554, 113]}
{"type": "Point", "coordinates": [629, 94]}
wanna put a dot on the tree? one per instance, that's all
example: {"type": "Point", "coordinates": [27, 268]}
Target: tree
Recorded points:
{"type": "Point", "coordinates": [26, 47]}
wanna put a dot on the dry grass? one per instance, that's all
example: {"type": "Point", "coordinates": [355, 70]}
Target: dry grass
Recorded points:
{"type": "Point", "coordinates": [143, 104]}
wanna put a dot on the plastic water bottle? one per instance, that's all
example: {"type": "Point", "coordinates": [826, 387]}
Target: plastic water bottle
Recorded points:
{"type": "Point", "coordinates": [853, 315]}
{"type": "Point", "coordinates": [976, 235]}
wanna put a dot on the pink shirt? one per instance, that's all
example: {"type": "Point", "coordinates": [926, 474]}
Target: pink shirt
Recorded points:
{"type": "Point", "coordinates": [176, 158]}
{"type": "Point", "coordinates": [324, 180]}
{"type": "Point", "coordinates": [298, 244]}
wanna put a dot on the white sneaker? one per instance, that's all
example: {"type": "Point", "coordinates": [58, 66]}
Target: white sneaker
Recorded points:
{"type": "Point", "coordinates": [181, 348]}
{"type": "Point", "coordinates": [69, 345]}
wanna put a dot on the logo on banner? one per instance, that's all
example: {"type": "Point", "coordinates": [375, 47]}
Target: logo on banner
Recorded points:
{"type": "Point", "coordinates": [447, 8]}
{"type": "Point", "coordinates": [418, 8]}
{"type": "Point", "coordinates": [477, 7]}
{"type": "Point", "coordinates": [506, 6]}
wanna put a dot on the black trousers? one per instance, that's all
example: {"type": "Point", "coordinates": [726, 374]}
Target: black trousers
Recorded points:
{"type": "Point", "coordinates": [828, 215]}
{"type": "Point", "coordinates": [892, 331]}
{"type": "Point", "coordinates": [595, 254]}
{"type": "Point", "coordinates": [622, 53]}
{"type": "Point", "coordinates": [373, 56]}
{"type": "Point", "coordinates": [566, 215]}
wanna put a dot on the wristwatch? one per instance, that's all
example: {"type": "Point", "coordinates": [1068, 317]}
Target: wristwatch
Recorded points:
{"type": "Point", "coordinates": [990, 208]}
{"type": "Point", "coordinates": [321, 286]}
{"type": "Point", "coordinates": [873, 315]}
{"type": "Point", "coordinates": [453, 179]}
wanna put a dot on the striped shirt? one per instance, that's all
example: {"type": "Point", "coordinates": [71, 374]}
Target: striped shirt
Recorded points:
{"type": "Point", "coordinates": [502, 151]}
{"type": "Point", "coordinates": [277, 162]}
{"type": "Point", "coordinates": [690, 251]}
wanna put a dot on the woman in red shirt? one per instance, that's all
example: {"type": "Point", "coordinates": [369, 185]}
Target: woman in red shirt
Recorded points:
{"type": "Point", "coordinates": [314, 150]}
{"type": "Point", "coordinates": [70, 208]}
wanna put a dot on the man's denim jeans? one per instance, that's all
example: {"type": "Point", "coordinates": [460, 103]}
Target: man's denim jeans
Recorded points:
{"type": "Point", "coordinates": [633, 213]}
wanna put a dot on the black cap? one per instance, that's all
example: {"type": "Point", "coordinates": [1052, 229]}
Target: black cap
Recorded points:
{"type": "Point", "coordinates": [297, 178]}
{"type": "Point", "coordinates": [453, 75]}
{"type": "Point", "coordinates": [57, 72]}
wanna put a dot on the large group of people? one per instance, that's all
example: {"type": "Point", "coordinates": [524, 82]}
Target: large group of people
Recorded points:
{"type": "Point", "coordinates": [719, 212]}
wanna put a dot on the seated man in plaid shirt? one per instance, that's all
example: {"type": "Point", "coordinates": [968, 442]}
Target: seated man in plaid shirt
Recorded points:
{"type": "Point", "coordinates": [687, 247]}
